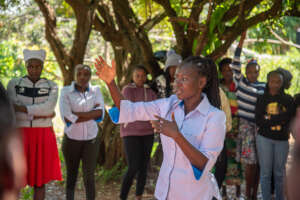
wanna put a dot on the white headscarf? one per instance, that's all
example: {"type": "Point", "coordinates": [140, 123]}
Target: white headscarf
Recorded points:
{"type": "Point", "coordinates": [173, 59]}
{"type": "Point", "coordinates": [34, 54]}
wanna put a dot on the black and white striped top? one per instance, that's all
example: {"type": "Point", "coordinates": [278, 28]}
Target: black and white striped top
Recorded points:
{"type": "Point", "coordinates": [39, 98]}
{"type": "Point", "coordinates": [247, 93]}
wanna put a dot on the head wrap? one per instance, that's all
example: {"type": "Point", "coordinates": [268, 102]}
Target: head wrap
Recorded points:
{"type": "Point", "coordinates": [34, 54]}
{"type": "Point", "coordinates": [173, 59]}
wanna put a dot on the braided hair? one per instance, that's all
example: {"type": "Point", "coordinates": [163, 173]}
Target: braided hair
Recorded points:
{"type": "Point", "coordinates": [206, 67]}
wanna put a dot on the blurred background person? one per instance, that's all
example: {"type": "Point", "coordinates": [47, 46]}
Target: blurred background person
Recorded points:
{"type": "Point", "coordinates": [234, 170]}
{"type": "Point", "coordinates": [164, 82]}
{"type": "Point", "coordinates": [12, 160]}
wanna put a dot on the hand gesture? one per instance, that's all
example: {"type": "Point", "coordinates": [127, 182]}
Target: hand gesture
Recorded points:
{"type": "Point", "coordinates": [104, 71]}
{"type": "Point", "coordinates": [168, 128]}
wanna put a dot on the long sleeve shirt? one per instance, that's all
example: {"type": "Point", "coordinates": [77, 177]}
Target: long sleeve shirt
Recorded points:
{"type": "Point", "coordinates": [225, 106]}
{"type": "Point", "coordinates": [71, 100]}
{"type": "Point", "coordinates": [204, 128]}
{"type": "Point", "coordinates": [247, 93]}
{"type": "Point", "coordinates": [39, 98]}
{"type": "Point", "coordinates": [136, 94]}
{"type": "Point", "coordinates": [273, 115]}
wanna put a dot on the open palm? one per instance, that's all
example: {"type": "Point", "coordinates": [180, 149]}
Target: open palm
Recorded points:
{"type": "Point", "coordinates": [104, 71]}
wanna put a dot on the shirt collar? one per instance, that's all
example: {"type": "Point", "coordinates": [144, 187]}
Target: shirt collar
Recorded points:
{"type": "Point", "coordinates": [75, 90]}
{"type": "Point", "coordinates": [203, 106]}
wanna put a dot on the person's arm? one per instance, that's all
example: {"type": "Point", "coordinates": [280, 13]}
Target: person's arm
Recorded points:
{"type": "Point", "coordinates": [204, 156]}
{"type": "Point", "coordinates": [11, 91]}
{"type": "Point", "coordinates": [46, 108]}
{"type": "Point", "coordinates": [98, 111]}
{"type": "Point", "coordinates": [260, 110]}
{"type": "Point", "coordinates": [86, 116]}
{"type": "Point", "coordinates": [236, 64]}
{"type": "Point", "coordinates": [225, 106]}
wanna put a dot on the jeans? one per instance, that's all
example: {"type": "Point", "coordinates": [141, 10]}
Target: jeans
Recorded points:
{"type": "Point", "coordinates": [137, 150]}
{"type": "Point", "coordinates": [272, 154]}
{"type": "Point", "coordinates": [75, 151]}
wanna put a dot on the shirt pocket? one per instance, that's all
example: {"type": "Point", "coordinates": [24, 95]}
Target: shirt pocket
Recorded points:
{"type": "Point", "coordinates": [194, 134]}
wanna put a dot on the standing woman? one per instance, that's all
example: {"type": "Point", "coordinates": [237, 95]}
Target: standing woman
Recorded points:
{"type": "Point", "coordinates": [234, 171]}
{"type": "Point", "coordinates": [34, 100]}
{"type": "Point", "coordinates": [137, 136]}
{"type": "Point", "coordinates": [164, 86]}
{"type": "Point", "coordinates": [274, 111]}
{"type": "Point", "coordinates": [191, 125]}
{"type": "Point", "coordinates": [81, 108]}
{"type": "Point", "coordinates": [248, 90]}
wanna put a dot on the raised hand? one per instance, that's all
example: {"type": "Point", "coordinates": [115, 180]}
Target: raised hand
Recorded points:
{"type": "Point", "coordinates": [104, 71]}
{"type": "Point", "coordinates": [168, 128]}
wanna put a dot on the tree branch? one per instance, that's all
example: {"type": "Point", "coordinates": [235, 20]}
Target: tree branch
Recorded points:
{"type": "Point", "coordinates": [51, 35]}
{"type": "Point", "coordinates": [196, 9]}
{"type": "Point", "coordinates": [234, 11]}
{"type": "Point", "coordinates": [233, 32]}
{"type": "Point", "coordinates": [283, 41]}
{"type": "Point", "coordinates": [107, 27]}
{"type": "Point", "coordinates": [178, 29]}
{"type": "Point", "coordinates": [202, 38]}
{"type": "Point", "coordinates": [150, 23]}
{"type": "Point", "coordinates": [280, 42]}
{"type": "Point", "coordinates": [84, 13]}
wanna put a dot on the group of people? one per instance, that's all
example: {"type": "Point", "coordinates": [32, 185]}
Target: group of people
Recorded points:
{"type": "Point", "coordinates": [213, 131]}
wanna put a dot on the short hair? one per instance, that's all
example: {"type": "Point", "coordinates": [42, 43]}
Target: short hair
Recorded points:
{"type": "Point", "coordinates": [271, 73]}
{"type": "Point", "coordinates": [223, 62]}
{"type": "Point", "coordinates": [141, 67]}
{"type": "Point", "coordinates": [82, 66]}
{"type": "Point", "coordinates": [252, 62]}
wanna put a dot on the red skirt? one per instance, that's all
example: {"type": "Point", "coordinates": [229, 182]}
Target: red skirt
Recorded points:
{"type": "Point", "coordinates": [40, 148]}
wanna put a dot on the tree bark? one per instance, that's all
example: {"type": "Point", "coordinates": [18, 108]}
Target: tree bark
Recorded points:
{"type": "Point", "coordinates": [67, 60]}
{"type": "Point", "coordinates": [131, 45]}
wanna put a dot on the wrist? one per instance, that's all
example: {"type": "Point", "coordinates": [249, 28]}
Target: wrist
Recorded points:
{"type": "Point", "coordinates": [110, 83]}
{"type": "Point", "coordinates": [177, 136]}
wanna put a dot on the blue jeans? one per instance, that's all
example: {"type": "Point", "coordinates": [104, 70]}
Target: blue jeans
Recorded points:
{"type": "Point", "coordinates": [272, 156]}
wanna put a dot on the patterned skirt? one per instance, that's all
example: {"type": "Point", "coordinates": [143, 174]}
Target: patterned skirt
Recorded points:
{"type": "Point", "coordinates": [234, 169]}
{"type": "Point", "coordinates": [247, 137]}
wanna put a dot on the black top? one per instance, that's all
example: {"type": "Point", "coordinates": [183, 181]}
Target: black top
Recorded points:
{"type": "Point", "coordinates": [273, 115]}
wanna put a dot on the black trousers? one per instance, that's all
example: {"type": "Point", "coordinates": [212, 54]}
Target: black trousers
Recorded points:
{"type": "Point", "coordinates": [75, 151]}
{"type": "Point", "coordinates": [221, 167]}
{"type": "Point", "coordinates": [138, 151]}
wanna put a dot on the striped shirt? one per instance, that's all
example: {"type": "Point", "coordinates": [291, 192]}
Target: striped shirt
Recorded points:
{"type": "Point", "coordinates": [247, 93]}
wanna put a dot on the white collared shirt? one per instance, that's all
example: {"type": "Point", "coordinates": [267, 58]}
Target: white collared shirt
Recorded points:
{"type": "Point", "coordinates": [71, 101]}
{"type": "Point", "coordinates": [204, 128]}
